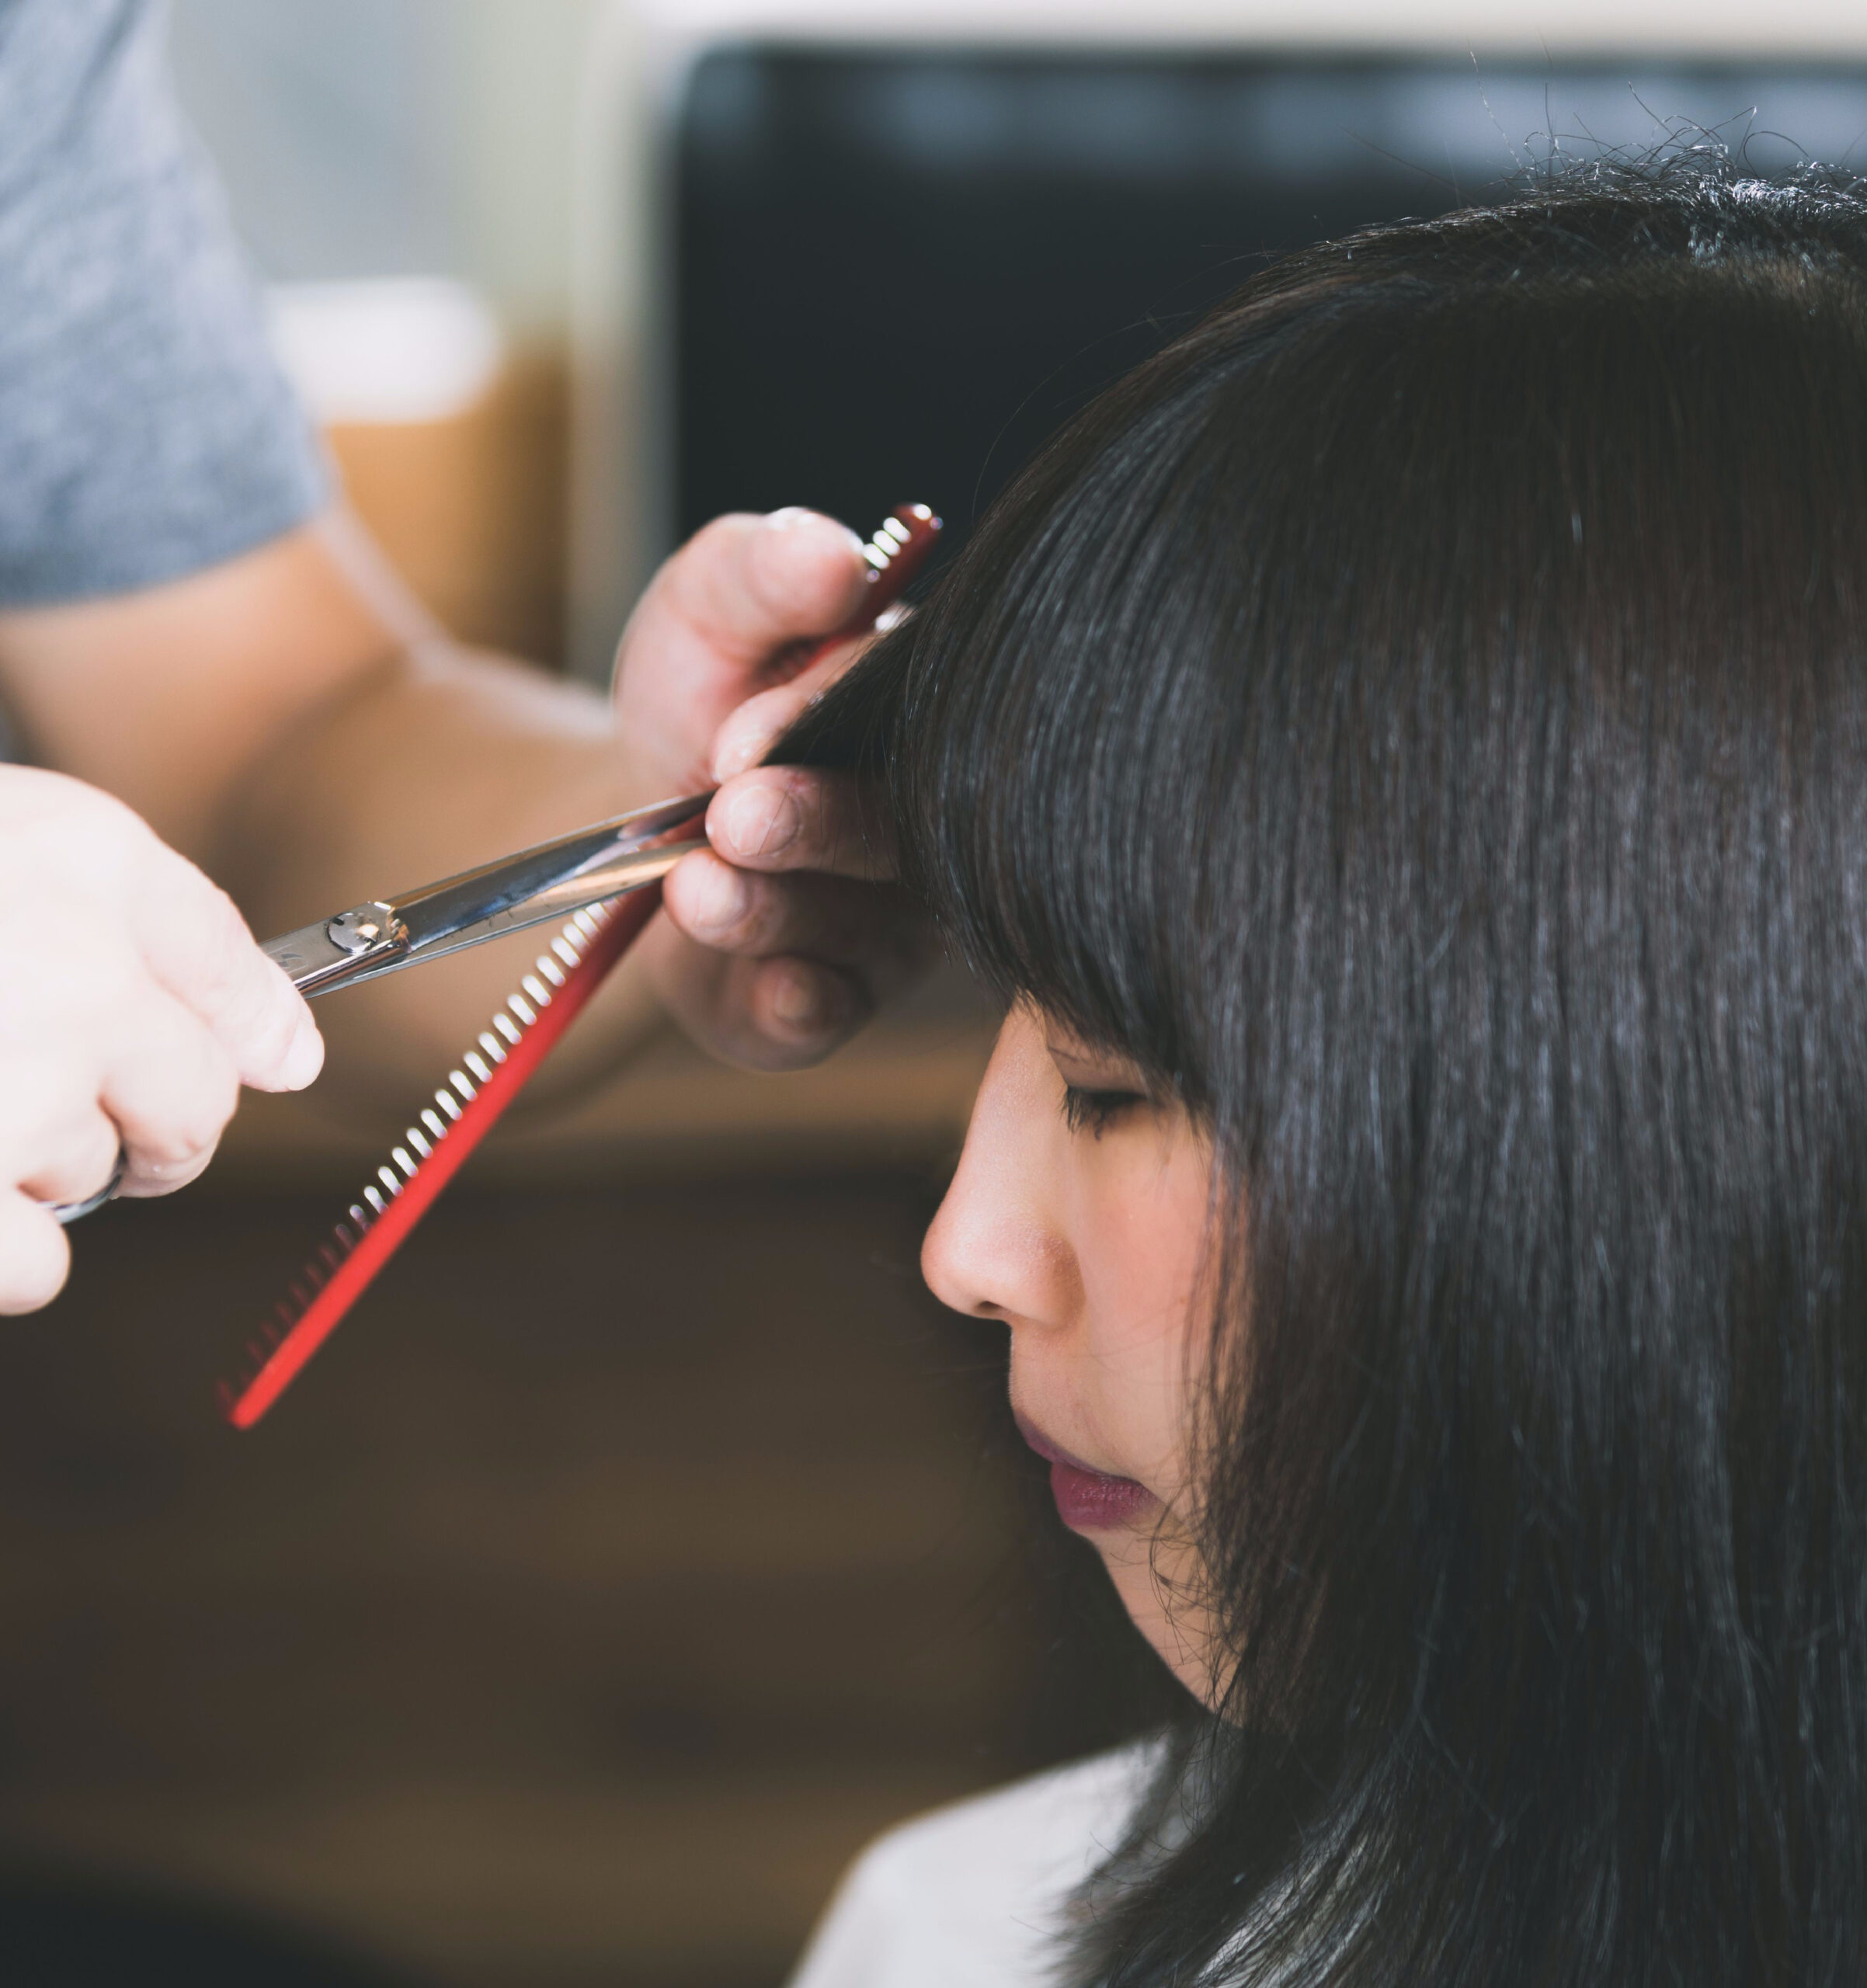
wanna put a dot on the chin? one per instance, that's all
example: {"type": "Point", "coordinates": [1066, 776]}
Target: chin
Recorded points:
{"type": "Point", "coordinates": [1165, 1607]}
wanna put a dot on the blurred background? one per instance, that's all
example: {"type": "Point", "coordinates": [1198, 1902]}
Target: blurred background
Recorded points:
{"type": "Point", "coordinates": [649, 1539]}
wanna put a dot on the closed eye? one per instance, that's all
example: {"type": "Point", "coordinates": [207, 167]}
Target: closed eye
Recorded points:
{"type": "Point", "coordinates": [1096, 1110]}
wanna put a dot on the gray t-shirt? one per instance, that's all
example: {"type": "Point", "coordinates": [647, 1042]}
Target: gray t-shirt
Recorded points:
{"type": "Point", "coordinates": [145, 431]}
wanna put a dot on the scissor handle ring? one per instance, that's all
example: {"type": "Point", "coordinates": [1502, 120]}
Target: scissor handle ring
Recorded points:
{"type": "Point", "coordinates": [69, 1211]}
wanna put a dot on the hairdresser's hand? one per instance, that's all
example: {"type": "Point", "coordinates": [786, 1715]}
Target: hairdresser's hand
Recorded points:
{"type": "Point", "coordinates": [133, 1004]}
{"type": "Point", "coordinates": [779, 943]}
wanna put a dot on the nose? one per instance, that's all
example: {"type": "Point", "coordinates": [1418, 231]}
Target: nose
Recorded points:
{"type": "Point", "coordinates": [996, 1249]}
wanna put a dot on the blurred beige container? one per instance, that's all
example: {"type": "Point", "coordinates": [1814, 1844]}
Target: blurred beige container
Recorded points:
{"type": "Point", "coordinates": [450, 440]}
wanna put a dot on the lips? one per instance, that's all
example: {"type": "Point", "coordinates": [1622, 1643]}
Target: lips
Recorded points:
{"type": "Point", "coordinates": [1089, 1500]}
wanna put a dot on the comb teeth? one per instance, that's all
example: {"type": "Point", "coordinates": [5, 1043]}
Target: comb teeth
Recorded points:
{"type": "Point", "coordinates": [888, 542]}
{"type": "Point", "coordinates": [419, 1141]}
{"type": "Point", "coordinates": [433, 1125]}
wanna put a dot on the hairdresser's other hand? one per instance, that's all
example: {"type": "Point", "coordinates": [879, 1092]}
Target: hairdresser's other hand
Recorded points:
{"type": "Point", "coordinates": [133, 1004]}
{"type": "Point", "coordinates": [779, 942]}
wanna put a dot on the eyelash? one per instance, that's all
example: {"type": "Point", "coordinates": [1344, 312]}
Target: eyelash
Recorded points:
{"type": "Point", "coordinates": [1095, 1110]}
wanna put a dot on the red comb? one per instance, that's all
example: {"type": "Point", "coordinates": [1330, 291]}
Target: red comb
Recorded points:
{"type": "Point", "coordinates": [465, 1108]}
{"type": "Point", "coordinates": [344, 1268]}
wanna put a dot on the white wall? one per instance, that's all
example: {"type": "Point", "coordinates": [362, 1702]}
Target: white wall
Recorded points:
{"type": "Point", "coordinates": [382, 138]}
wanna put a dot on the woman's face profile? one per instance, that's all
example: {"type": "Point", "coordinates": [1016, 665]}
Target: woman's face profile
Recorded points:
{"type": "Point", "coordinates": [1079, 1216]}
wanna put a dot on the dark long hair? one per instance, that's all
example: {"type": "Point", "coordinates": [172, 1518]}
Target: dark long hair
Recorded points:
{"type": "Point", "coordinates": [1421, 716]}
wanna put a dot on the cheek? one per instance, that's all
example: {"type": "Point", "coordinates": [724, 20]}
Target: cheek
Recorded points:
{"type": "Point", "coordinates": [1141, 1245]}
{"type": "Point", "coordinates": [1141, 1260]}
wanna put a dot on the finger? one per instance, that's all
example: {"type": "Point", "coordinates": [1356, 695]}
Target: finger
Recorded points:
{"type": "Point", "coordinates": [198, 947]}
{"type": "Point", "coordinates": [752, 728]}
{"type": "Point", "coordinates": [792, 818]}
{"type": "Point", "coordinates": [170, 1088]}
{"type": "Point", "coordinates": [747, 584]}
{"type": "Point", "coordinates": [765, 1014]}
{"type": "Point", "coordinates": [73, 1160]}
{"type": "Point", "coordinates": [796, 1006]}
{"type": "Point", "coordinates": [876, 930]}
{"type": "Point", "coordinates": [35, 1258]}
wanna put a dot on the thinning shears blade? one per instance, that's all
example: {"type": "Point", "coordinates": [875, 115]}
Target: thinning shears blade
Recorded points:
{"type": "Point", "coordinates": [552, 880]}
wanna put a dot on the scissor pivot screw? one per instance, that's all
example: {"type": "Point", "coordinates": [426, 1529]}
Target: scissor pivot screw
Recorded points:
{"type": "Point", "coordinates": [357, 931]}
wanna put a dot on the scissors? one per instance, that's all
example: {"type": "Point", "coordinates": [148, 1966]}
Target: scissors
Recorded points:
{"type": "Point", "coordinates": [552, 879]}
{"type": "Point", "coordinates": [562, 879]}
{"type": "Point", "coordinates": [600, 885]}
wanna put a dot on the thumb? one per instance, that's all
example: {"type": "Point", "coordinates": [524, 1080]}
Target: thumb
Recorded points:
{"type": "Point", "coordinates": [198, 946]}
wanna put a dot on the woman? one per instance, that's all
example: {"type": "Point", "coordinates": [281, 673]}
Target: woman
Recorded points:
{"type": "Point", "coordinates": [1402, 755]}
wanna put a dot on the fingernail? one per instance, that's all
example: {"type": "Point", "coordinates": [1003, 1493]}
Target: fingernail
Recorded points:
{"type": "Point", "coordinates": [763, 820]}
{"type": "Point", "coordinates": [724, 898]}
{"type": "Point", "coordinates": [792, 516]}
{"type": "Point", "coordinates": [304, 1059]}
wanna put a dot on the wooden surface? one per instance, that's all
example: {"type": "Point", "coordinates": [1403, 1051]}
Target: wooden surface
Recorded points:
{"type": "Point", "coordinates": [625, 1562]}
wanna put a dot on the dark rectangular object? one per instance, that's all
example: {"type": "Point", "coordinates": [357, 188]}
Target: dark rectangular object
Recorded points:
{"type": "Point", "coordinates": [895, 271]}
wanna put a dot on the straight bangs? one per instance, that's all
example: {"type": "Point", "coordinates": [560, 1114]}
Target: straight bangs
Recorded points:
{"type": "Point", "coordinates": [1421, 717]}
{"type": "Point", "coordinates": [1067, 780]}
{"type": "Point", "coordinates": [1039, 738]}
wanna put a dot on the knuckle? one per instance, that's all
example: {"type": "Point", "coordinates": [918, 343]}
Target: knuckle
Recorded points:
{"type": "Point", "coordinates": [822, 820]}
{"type": "Point", "coordinates": [712, 553]}
{"type": "Point", "coordinates": [229, 982]}
{"type": "Point", "coordinates": [215, 992]}
{"type": "Point", "coordinates": [735, 910]}
{"type": "Point", "coordinates": [770, 913]}
{"type": "Point", "coordinates": [146, 1176]}
{"type": "Point", "coordinates": [184, 1135]}
{"type": "Point", "coordinates": [163, 1150]}
{"type": "Point", "coordinates": [151, 1184]}
{"type": "Point", "coordinates": [222, 936]}
{"type": "Point", "coordinates": [825, 824]}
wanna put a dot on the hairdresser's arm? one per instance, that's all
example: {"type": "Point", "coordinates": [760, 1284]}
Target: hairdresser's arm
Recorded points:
{"type": "Point", "coordinates": [294, 725]}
